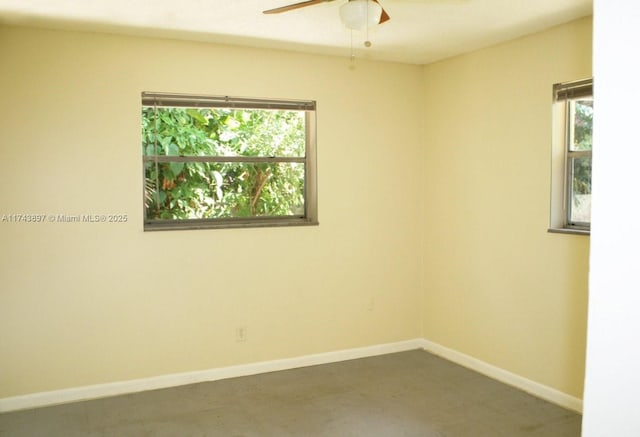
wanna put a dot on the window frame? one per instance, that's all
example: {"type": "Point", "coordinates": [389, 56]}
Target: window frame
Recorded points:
{"type": "Point", "coordinates": [173, 100]}
{"type": "Point", "coordinates": [564, 96]}
{"type": "Point", "coordinates": [571, 157]}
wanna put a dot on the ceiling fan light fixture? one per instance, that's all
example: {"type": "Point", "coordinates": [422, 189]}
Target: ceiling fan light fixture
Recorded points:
{"type": "Point", "coordinates": [360, 14]}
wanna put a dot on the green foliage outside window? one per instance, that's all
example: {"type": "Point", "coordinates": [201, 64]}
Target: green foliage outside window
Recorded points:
{"type": "Point", "coordinates": [582, 141]}
{"type": "Point", "coordinates": [215, 188]}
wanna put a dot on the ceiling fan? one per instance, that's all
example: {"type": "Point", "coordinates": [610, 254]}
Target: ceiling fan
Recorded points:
{"type": "Point", "coordinates": [353, 12]}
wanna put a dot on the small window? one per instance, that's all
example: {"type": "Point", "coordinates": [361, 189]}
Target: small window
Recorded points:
{"type": "Point", "coordinates": [219, 162]}
{"type": "Point", "coordinates": [571, 156]}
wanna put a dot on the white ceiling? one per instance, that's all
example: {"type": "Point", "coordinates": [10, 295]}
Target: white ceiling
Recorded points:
{"type": "Point", "coordinates": [419, 32]}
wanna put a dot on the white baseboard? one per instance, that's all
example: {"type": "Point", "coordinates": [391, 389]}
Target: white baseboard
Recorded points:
{"type": "Point", "coordinates": [57, 397]}
{"type": "Point", "coordinates": [539, 390]}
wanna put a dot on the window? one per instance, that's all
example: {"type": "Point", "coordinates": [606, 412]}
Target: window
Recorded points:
{"type": "Point", "coordinates": [218, 162]}
{"type": "Point", "coordinates": [571, 156]}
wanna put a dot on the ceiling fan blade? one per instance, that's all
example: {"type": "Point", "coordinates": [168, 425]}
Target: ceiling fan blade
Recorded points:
{"type": "Point", "coordinates": [294, 6]}
{"type": "Point", "coordinates": [384, 17]}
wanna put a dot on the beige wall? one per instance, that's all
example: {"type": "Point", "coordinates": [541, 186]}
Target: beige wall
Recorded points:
{"type": "Point", "coordinates": [92, 303]}
{"type": "Point", "coordinates": [498, 287]}
{"type": "Point", "coordinates": [433, 204]}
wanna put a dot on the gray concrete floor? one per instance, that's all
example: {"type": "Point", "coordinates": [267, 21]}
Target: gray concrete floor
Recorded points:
{"type": "Point", "coordinates": [405, 394]}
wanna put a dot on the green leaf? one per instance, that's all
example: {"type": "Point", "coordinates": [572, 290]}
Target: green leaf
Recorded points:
{"type": "Point", "coordinates": [172, 150]}
{"type": "Point", "coordinates": [195, 114]}
{"type": "Point", "coordinates": [181, 142]}
{"type": "Point", "coordinates": [176, 167]}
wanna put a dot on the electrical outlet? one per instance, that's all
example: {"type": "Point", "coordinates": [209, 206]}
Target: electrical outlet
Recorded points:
{"type": "Point", "coordinates": [241, 334]}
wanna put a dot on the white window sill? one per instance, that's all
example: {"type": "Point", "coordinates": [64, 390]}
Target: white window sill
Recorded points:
{"type": "Point", "coordinates": [569, 231]}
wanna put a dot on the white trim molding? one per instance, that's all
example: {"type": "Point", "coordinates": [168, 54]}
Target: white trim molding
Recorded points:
{"type": "Point", "coordinates": [64, 396]}
{"type": "Point", "coordinates": [539, 390]}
